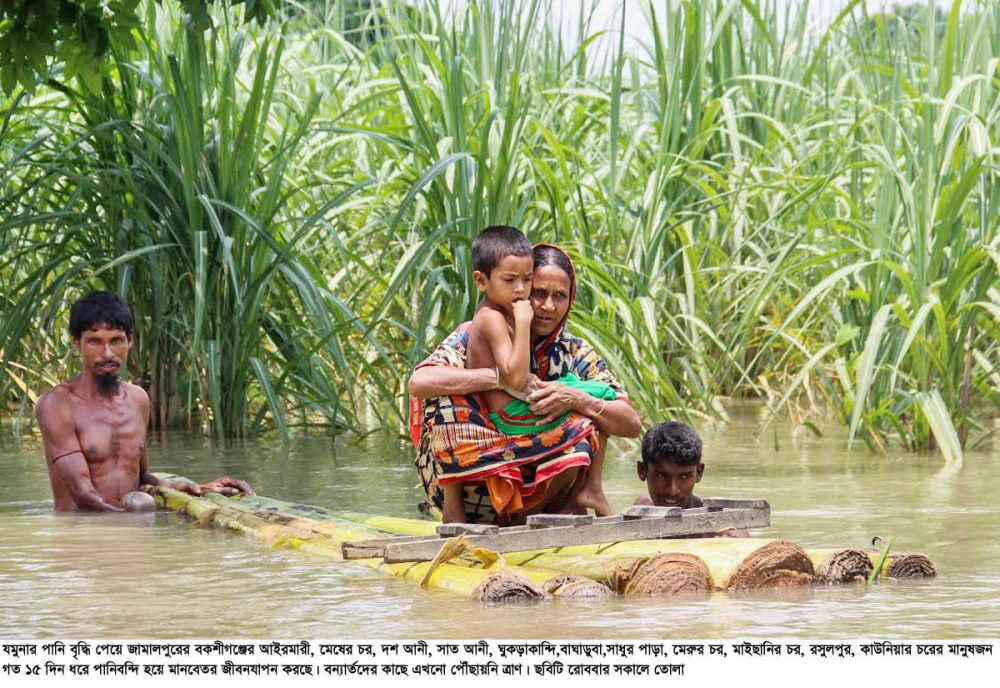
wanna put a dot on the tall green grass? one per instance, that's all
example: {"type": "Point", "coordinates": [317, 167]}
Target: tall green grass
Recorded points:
{"type": "Point", "coordinates": [758, 207]}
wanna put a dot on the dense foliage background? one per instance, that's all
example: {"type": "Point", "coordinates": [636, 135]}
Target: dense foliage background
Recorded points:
{"type": "Point", "coordinates": [758, 207]}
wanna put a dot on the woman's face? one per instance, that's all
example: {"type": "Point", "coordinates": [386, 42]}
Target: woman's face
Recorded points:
{"type": "Point", "coordinates": [550, 286]}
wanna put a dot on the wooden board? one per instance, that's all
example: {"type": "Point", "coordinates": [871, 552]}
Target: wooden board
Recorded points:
{"type": "Point", "coordinates": [641, 511]}
{"type": "Point", "coordinates": [549, 520]}
{"type": "Point", "coordinates": [712, 503]}
{"type": "Point", "coordinates": [643, 523]}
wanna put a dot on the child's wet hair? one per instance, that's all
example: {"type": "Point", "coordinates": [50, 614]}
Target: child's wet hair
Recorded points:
{"type": "Point", "coordinates": [494, 244]}
{"type": "Point", "coordinates": [673, 442]}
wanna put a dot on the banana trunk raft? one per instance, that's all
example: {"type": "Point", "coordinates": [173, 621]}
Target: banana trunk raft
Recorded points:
{"type": "Point", "coordinates": [637, 567]}
{"type": "Point", "coordinates": [778, 562]}
{"type": "Point", "coordinates": [479, 577]}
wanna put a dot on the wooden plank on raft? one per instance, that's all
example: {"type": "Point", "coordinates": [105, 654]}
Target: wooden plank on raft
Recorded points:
{"type": "Point", "coordinates": [454, 529]}
{"type": "Point", "coordinates": [374, 548]}
{"type": "Point", "coordinates": [724, 503]}
{"type": "Point", "coordinates": [602, 530]}
{"type": "Point", "coordinates": [641, 511]}
{"type": "Point", "coordinates": [548, 520]}
{"type": "Point", "coordinates": [364, 549]}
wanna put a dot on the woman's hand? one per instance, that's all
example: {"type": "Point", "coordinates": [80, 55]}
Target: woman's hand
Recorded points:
{"type": "Point", "coordinates": [553, 399]}
{"type": "Point", "coordinates": [530, 385]}
{"type": "Point", "coordinates": [613, 417]}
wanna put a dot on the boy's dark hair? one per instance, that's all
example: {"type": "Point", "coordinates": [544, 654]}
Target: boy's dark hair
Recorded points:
{"type": "Point", "coordinates": [673, 442]}
{"type": "Point", "coordinates": [496, 242]}
{"type": "Point", "coordinates": [99, 307]}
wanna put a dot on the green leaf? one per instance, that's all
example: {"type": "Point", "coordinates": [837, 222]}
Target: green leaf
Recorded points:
{"type": "Point", "coordinates": [90, 74]}
{"type": "Point", "coordinates": [934, 409]}
{"type": "Point", "coordinates": [264, 378]}
{"type": "Point", "coordinates": [847, 333]}
{"type": "Point", "coordinates": [866, 368]}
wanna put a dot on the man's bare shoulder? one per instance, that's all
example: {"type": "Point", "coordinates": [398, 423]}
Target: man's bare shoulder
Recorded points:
{"type": "Point", "coordinates": [54, 398]}
{"type": "Point", "coordinates": [136, 393]}
{"type": "Point", "coordinates": [137, 398]}
{"type": "Point", "coordinates": [56, 411]}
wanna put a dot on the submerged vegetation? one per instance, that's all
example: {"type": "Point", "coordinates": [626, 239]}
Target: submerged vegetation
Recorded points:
{"type": "Point", "coordinates": [758, 207]}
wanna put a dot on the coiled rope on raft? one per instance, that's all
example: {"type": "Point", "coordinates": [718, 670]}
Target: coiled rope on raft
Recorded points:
{"type": "Point", "coordinates": [841, 565]}
{"type": "Point", "coordinates": [673, 573]}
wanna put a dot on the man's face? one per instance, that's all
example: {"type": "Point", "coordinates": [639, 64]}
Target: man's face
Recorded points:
{"type": "Point", "coordinates": [508, 281]}
{"type": "Point", "coordinates": [104, 350]}
{"type": "Point", "coordinates": [670, 484]}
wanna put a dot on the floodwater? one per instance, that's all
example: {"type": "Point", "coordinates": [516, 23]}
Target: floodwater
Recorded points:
{"type": "Point", "coordinates": [157, 576]}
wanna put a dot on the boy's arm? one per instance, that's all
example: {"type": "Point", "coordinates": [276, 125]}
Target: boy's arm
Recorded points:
{"type": "Point", "coordinates": [512, 358]}
{"type": "Point", "coordinates": [520, 358]}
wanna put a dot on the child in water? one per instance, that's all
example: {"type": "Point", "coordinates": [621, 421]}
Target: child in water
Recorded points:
{"type": "Point", "coordinates": [671, 466]}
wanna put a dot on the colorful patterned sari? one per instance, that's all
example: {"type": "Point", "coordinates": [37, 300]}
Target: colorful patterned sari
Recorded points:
{"type": "Point", "coordinates": [501, 474]}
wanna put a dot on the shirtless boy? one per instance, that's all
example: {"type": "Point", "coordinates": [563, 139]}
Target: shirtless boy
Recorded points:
{"type": "Point", "coordinates": [500, 337]}
{"type": "Point", "coordinates": [94, 425]}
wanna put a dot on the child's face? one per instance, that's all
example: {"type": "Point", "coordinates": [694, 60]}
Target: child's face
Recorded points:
{"type": "Point", "coordinates": [508, 281]}
{"type": "Point", "coordinates": [670, 484]}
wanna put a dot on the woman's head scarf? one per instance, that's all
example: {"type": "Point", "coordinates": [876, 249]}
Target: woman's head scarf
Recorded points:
{"type": "Point", "coordinates": [544, 349]}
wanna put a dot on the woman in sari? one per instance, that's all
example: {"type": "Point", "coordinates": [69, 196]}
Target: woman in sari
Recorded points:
{"type": "Point", "coordinates": [506, 477]}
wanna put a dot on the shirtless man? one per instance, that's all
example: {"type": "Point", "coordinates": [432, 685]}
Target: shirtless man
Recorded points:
{"type": "Point", "coordinates": [94, 425]}
{"type": "Point", "coordinates": [671, 466]}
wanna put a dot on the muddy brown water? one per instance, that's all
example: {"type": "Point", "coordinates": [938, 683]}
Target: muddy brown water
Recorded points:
{"type": "Point", "coordinates": [156, 576]}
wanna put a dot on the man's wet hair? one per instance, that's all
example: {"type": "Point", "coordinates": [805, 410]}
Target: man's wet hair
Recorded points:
{"type": "Point", "coordinates": [494, 244]}
{"type": "Point", "coordinates": [672, 442]}
{"type": "Point", "coordinates": [99, 307]}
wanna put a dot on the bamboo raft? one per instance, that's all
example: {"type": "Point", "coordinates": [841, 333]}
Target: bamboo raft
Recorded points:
{"type": "Point", "coordinates": [644, 567]}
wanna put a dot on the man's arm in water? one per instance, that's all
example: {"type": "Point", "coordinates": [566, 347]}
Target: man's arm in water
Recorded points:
{"type": "Point", "coordinates": [63, 453]}
{"type": "Point", "coordinates": [224, 485]}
